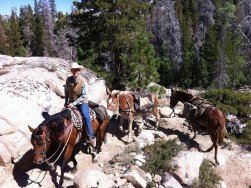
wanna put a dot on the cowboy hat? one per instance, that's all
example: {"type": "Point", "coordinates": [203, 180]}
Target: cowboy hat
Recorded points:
{"type": "Point", "coordinates": [76, 66]}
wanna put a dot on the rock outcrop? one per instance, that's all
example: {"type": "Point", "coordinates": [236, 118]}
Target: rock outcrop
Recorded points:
{"type": "Point", "coordinates": [28, 87]}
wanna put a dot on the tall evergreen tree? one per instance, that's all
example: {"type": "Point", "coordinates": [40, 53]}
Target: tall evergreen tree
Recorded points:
{"type": "Point", "coordinates": [16, 46]}
{"type": "Point", "coordinates": [53, 9]}
{"type": "Point", "coordinates": [48, 23]}
{"type": "Point", "coordinates": [106, 28]}
{"type": "Point", "coordinates": [26, 22]}
{"type": "Point", "coordinates": [38, 47]}
{"type": "Point", "coordinates": [4, 40]}
{"type": "Point", "coordinates": [140, 64]}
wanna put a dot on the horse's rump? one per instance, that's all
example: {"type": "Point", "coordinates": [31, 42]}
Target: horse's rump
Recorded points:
{"type": "Point", "coordinates": [101, 113]}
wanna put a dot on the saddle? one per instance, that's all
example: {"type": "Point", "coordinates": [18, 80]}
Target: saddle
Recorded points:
{"type": "Point", "coordinates": [195, 107]}
{"type": "Point", "coordinates": [77, 118]}
{"type": "Point", "coordinates": [142, 101]}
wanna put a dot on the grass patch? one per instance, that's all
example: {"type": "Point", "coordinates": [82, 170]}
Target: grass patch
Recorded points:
{"type": "Point", "coordinates": [127, 157]}
{"type": "Point", "coordinates": [159, 156]}
{"type": "Point", "coordinates": [208, 177]}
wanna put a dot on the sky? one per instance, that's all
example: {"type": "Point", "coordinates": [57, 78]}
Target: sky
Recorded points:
{"type": "Point", "coordinates": [6, 5]}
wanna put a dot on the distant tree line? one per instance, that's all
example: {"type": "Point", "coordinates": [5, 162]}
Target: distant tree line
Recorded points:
{"type": "Point", "coordinates": [39, 32]}
{"type": "Point", "coordinates": [131, 43]}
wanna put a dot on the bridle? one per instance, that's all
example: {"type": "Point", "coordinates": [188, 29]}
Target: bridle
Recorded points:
{"type": "Point", "coordinates": [43, 152]}
{"type": "Point", "coordinates": [45, 159]}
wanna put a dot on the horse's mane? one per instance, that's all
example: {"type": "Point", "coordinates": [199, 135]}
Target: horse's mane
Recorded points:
{"type": "Point", "coordinates": [56, 121]}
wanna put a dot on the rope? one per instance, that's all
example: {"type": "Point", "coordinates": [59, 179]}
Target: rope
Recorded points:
{"type": "Point", "coordinates": [64, 147]}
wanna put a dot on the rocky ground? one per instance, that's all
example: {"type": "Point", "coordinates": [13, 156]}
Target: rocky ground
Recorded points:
{"type": "Point", "coordinates": [27, 89]}
{"type": "Point", "coordinates": [234, 168]}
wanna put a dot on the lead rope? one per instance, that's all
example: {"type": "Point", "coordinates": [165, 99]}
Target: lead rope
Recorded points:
{"type": "Point", "coordinates": [64, 147]}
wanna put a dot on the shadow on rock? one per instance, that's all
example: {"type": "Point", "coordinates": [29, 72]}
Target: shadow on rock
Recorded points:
{"type": "Point", "coordinates": [185, 138]}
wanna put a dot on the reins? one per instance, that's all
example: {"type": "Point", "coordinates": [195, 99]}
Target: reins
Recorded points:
{"type": "Point", "coordinates": [61, 150]}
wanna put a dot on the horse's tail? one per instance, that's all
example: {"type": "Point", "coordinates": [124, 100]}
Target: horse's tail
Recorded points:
{"type": "Point", "coordinates": [221, 130]}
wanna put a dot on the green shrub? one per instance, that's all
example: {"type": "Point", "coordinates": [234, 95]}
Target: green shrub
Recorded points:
{"type": "Point", "coordinates": [233, 102]}
{"type": "Point", "coordinates": [126, 158]}
{"type": "Point", "coordinates": [245, 138]}
{"type": "Point", "coordinates": [157, 89]}
{"type": "Point", "coordinates": [208, 177]}
{"type": "Point", "coordinates": [229, 101]}
{"type": "Point", "coordinates": [159, 156]}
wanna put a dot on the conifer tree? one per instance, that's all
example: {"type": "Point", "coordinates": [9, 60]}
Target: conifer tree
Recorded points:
{"type": "Point", "coordinates": [38, 47]}
{"type": "Point", "coordinates": [26, 22]}
{"type": "Point", "coordinates": [53, 9]}
{"type": "Point", "coordinates": [140, 64]}
{"type": "Point", "coordinates": [105, 29]}
{"type": "Point", "coordinates": [4, 40]}
{"type": "Point", "coordinates": [16, 46]}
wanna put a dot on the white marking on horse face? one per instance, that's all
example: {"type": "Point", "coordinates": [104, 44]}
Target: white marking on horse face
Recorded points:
{"type": "Point", "coordinates": [109, 101]}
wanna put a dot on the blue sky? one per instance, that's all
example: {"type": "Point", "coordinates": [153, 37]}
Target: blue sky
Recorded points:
{"type": "Point", "coordinates": [6, 5]}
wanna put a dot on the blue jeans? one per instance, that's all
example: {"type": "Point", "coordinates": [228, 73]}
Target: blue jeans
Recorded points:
{"type": "Point", "coordinates": [84, 109]}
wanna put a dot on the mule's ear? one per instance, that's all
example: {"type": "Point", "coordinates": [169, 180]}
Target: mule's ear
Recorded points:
{"type": "Point", "coordinates": [172, 90]}
{"type": "Point", "coordinates": [108, 91]}
{"type": "Point", "coordinates": [31, 129]}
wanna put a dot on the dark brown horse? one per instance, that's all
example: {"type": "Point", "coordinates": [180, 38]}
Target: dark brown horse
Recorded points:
{"type": "Point", "coordinates": [125, 103]}
{"type": "Point", "coordinates": [65, 129]}
{"type": "Point", "coordinates": [209, 116]}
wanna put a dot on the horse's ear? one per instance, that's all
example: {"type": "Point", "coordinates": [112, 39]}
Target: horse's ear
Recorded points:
{"type": "Point", "coordinates": [172, 90]}
{"type": "Point", "coordinates": [31, 129]}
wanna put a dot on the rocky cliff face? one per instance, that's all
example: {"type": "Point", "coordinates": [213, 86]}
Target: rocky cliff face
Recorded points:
{"type": "Point", "coordinates": [28, 87]}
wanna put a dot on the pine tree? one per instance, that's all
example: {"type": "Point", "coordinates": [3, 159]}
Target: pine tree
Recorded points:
{"type": "Point", "coordinates": [16, 46]}
{"type": "Point", "coordinates": [140, 64]}
{"type": "Point", "coordinates": [48, 25]}
{"type": "Point", "coordinates": [38, 46]}
{"type": "Point", "coordinates": [106, 28]}
{"type": "Point", "coordinates": [53, 9]}
{"type": "Point", "coordinates": [26, 21]}
{"type": "Point", "coordinates": [4, 40]}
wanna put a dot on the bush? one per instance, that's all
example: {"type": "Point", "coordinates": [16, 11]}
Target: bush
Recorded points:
{"type": "Point", "coordinates": [207, 177]}
{"type": "Point", "coordinates": [159, 90]}
{"type": "Point", "coordinates": [245, 138]}
{"type": "Point", "coordinates": [159, 156]}
{"type": "Point", "coordinates": [126, 158]}
{"type": "Point", "coordinates": [230, 102]}
{"type": "Point", "coordinates": [233, 102]}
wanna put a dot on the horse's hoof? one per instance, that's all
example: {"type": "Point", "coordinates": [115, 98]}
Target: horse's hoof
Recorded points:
{"type": "Point", "coordinates": [217, 163]}
{"type": "Point", "coordinates": [137, 132]}
{"type": "Point", "coordinates": [74, 170]}
{"type": "Point", "coordinates": [94, 160]}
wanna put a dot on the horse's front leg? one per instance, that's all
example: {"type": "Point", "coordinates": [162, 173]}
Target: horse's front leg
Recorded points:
{"type": "Point", "coordinates": [121, 121]}
{"type": "Point", "coordinates": [193, 128]}
{"type": "Point", "coordinates": [157, 116]}
{"type": "Point", "coordinates": [130, 121]}
{"type": "Point", "coordinates": [67, 156]}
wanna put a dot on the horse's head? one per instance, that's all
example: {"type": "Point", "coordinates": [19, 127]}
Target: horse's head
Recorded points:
{"type": "Point", "coordinates": [174, 98]}
{"type": "Point", "coordinates": [41, 142]}
{"type": "Point", "coordinates": [113, 101]}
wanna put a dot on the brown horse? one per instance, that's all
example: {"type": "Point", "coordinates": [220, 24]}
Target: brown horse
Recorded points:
{"type": "Point", "coordinates": [209, 116]}
{"type": "Point", "coordinates": [63, 128]}
{"type": "Point", "coordinates": [126, 103]}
